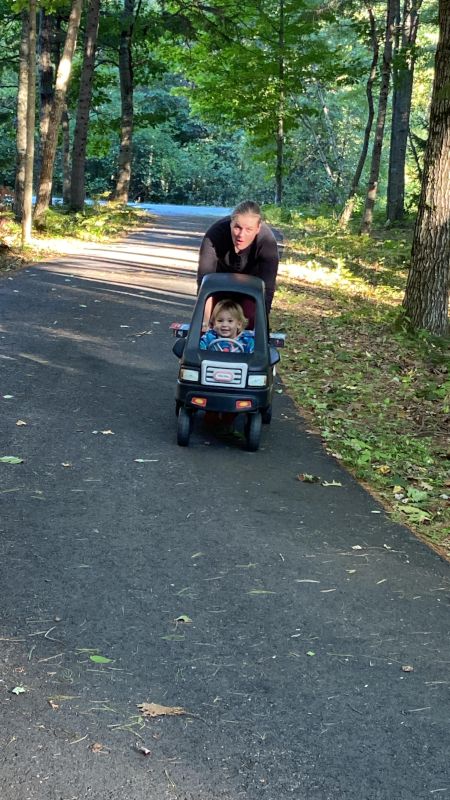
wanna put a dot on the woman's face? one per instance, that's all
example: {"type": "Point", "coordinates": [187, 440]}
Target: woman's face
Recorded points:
{"type": "Point", "coordinates": [244, 229]}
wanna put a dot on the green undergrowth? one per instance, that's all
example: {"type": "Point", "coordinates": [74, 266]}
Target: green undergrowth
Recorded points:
{"type": "Point", "coordinates": [95, 223]}
{"type": "Point", "coordinates": [378, 394]}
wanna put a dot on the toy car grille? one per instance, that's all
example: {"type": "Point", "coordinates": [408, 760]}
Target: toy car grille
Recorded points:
{"type": "Point", "coordinates": [220, 373]}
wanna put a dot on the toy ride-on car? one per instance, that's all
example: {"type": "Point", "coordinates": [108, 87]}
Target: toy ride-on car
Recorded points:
{"type": "Point", "coordinates": [223, 378]}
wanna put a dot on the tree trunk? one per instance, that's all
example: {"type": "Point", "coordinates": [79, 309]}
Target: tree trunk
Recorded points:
{"type": "Point", "coordinates": [427, 288]}
{"type": "Point", "coordinates": [21, 136]}
{"type": "Point", "coordinates": [122, 187]}
{"type": "Point", "coordinates": [280, 121]}
{"type": "Point", "coordinates": [31, 100]}
{"type": "Point", "coordinates": [77, 189]}
{"type": "Point", "coordinates": [66, 155]}
{"type": "Point", "coordinates": [347, 211]}
{"type": "Point", "coordinates": [46, 74]}
{"type": "Point", "coordinates": [404, 63]}
{"type": "Point", "coordinates": [391, 15]}
{"type": "Point", "coordinates": [62, 80]}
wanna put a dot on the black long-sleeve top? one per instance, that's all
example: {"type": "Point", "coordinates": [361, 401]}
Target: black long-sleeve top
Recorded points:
{"type": "Point", "coordinates": [217, 254]}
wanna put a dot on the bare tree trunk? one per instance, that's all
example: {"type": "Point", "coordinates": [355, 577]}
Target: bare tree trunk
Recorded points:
{"type": "Point", "coordinates": [280, 121]}
{"type": "Point", "coordinates": [46, 75]}
{"type": "Point", "coordinates": [391, 16]}
{"type": "Point", "coordinates": [21, 136]}
{"type": "Point", "coordinates": [416, 158]}
{"type": "Point", "coordinates": [31, 100]}
{"type": "Point", "coordinates": [66, 155]}
{"type": "Point", "coordinates": [62, 80]}
{"type": "Point", "coordinates": [347, 211]}
{"type": "Point", "coordinates": [126, 94]}
{"type": "Point", "coordinates": [427, 288]}
{"type": "Point", "coordinates": [77, 189]}
{"type": "Point", "coordinates": [404, 63]}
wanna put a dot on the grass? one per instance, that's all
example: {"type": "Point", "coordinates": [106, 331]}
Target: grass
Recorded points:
{"type": "Point", "coordinates": [378, 394]}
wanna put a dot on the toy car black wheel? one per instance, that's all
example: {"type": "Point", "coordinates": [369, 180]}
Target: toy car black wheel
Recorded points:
{"type": "Point", "coordinates": [267, 415]}
{"type": "Point", "coordinates": [253, 431]}
{"type": "Point", "coordinates": [184, 427]}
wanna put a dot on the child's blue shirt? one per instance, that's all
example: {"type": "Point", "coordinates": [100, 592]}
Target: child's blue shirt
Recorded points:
{"type": "Point", "coordinates": [246, 339]}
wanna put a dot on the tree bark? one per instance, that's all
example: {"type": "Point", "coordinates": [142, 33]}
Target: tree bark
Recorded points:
{"type": "Point", "coordinates": [347, 211]}
{"type": "Point", "coordinates": [46, 75]}
{"type": "Point", "coordinates": [62, 80]}
{"type": "Point", "coordinates": [66, 155]}
{"type": "Point", "coordinates": [21, 135]}
{"type": "Point", "coordinates": [280, 121]}
{"type": "Point", "coordinates": [427, 288]}
{"type": "Point", "coordinates": [122, 187]}
{"type": "Point", "coordinates": [77, 187]}
{"type": "Point", "coordinates": [372, 189]}
{"type": "Point", "coordinates": [403, 78]}
{"type": "Point", "coordinates": [31, 100]}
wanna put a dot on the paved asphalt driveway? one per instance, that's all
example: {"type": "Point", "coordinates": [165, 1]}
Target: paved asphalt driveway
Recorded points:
{"type": "Point", "coordinates": [306, 602]}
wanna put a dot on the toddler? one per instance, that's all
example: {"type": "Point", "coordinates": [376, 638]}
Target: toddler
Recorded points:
{"type": "Point", "coordinates": [228, 322]}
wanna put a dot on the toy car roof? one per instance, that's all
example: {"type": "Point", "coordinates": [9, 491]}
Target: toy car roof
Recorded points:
{"type": "Point", "coordinates": [232, 282]}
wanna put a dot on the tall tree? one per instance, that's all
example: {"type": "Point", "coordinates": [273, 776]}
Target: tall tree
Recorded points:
{"type": "Point", "coordinates": [65, 128]}
{"type": "Point", "coordinates": [122, 186]}
{"type": "Point", "coordinates": [22, 100]}
{"type": "Point", "coordinates": [347, 211]}
{"type": "Point", "coordinates": [77, 182]}
{"type": "Point", "coordinates": [249, 66]}
{"type": "Point", "coordinates": [62, 81]}
{"type": "Point", "coordinates": [427, 288]}
{"type": "Point", "coordinates": [392, 13]}
{"type": "Point", "coordinates": [46, 75]}
{"type": "Point", "coordinates": [31, 99]}
{"type": "Point", "coordinates": [403, 78]}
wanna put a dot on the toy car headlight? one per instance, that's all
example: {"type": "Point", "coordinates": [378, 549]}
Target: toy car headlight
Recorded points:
{"type": "Point", "coordinates": [189, 374]}
{"type": "Point", "coordinates": [257, 380]}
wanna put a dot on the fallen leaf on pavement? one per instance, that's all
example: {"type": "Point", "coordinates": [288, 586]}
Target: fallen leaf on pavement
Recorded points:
{"type": "Point", "coordinates": [52, 704]}
{"type": "Point", "coordinates": [155, 710]}
{"type": "Point", "coordinates": [306, 478]}
{"type": "Point", "coordinates": [183, 618]}
{"type": "Point", "coordinates": [100, 659]}
{"type": "Point", "coordinates": [97, 747]}
{"type": "Point", "coordinates": [11, 460]}
{"type": "Point", "coordinates": [20, 423]}
{"type": "Point", "coordinates": [407, 668]}
{"type": "Point", "coordinates": [19, 690]}
{"type": "Point", "coordinates": [331, 483]}
{"type": "Point", "coordinates": [144, 750]}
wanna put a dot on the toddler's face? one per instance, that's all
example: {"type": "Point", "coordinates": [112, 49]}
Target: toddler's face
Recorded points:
{"type": "Point", "coordinates": [226, 325]}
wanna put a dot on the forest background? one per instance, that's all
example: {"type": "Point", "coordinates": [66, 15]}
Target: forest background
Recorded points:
{"type": "Point", "coordinates": [335, 116]}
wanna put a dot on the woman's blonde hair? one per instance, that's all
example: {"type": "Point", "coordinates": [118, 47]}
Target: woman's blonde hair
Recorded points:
{"type": "Point", "coordinates": [233, 308]}
{"type": "Point", "coordinates": [247, 207]}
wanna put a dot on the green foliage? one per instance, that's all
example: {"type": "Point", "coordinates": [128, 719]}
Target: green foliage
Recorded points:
{"type": "Point", "coordinates": [379, 394]}
{"type": "Point", "coordinates": [95, 223]}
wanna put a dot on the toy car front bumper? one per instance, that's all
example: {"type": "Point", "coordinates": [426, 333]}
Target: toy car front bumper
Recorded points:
{"type": "Point", "coordinates": [234, 402]}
